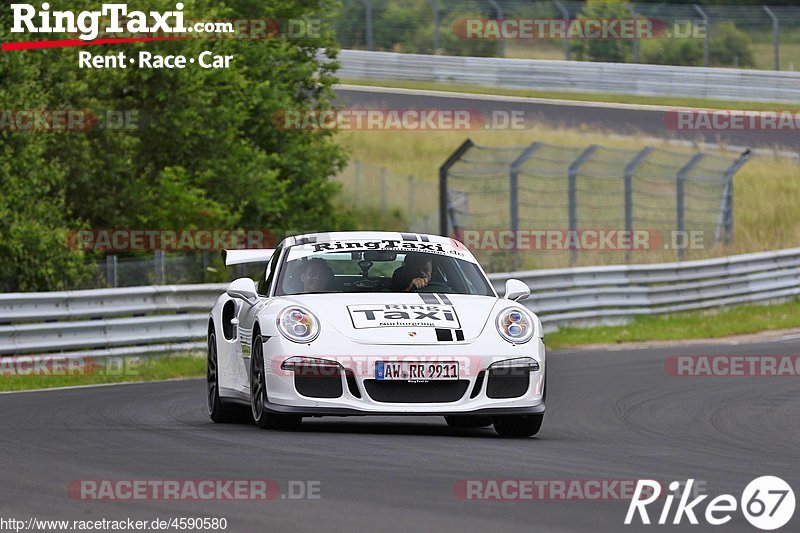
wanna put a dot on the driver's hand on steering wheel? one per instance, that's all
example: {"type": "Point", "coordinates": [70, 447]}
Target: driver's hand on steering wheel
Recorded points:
{"type": "Point", "coordinates": [416, 284]}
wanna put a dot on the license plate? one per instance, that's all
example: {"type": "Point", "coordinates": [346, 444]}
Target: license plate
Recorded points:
{"type": "Point", "coordinates": [416, 371]}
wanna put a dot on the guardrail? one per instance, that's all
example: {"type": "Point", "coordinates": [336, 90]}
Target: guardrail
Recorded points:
{"type": "Point", "coordinates": [575, 76]}
{"type": "Point", "coordinates": [142, 320]}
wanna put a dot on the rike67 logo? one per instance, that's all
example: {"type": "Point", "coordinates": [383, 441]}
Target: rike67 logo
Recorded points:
{"type": "Point", "coordinates": [767, 503]}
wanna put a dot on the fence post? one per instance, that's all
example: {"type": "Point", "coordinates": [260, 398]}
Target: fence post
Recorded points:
{"type": "Point", "coordinates": [436, 39]}
{"type": "Point", "coordinates": [630, 170]}
{"type": "Point", "coordinates": [725, 220]}
{"type": "Point", "coordinates": [498, 11]}
{"type": "Point", "coordinates": [565, 14]}
{"type": "Point", "coordinates": [410, 199]}
{"type": "Point", "coordinates": [708, 33]}
{"type": "Point", "coordinates": [513, 198]}
{"type": "Point", "coordinates": [775, 36]}
{"type": "Point", "coordinates": [111, 270]}
{"type": "Point", "coordinates": [635, 16]}
{"type": "Point", "coordinates": [444, 203]}
{"type": "Point", "coordinates": [383, 189]}
{"type": "Point", "coordinates": [357, 167]}
{"type": "Point", "coordinates": [368, 23]}
{"type": "Point", "coordinates": [680, 180]}
{"type": "Point", "coordinates": [573, 198]}
{"type": "Point", "coordinates": [158, 265]}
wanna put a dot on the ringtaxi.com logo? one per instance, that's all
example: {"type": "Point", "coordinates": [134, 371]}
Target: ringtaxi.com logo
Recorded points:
{"type": "Point", "coordinates": [767, 502]}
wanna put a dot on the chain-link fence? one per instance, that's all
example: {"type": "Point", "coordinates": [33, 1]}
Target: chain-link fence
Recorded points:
{"type": "Point", "coordinates": [153, 268]}
{"type": "Point", "coordinates": [765, 37]}
{"type": "Point", "coordinates": [395, 201]}
{"type": "Point", "coordinates": [547, 205]}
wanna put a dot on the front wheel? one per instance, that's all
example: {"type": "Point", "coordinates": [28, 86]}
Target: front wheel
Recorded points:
{"type": "Point", "coordinates": [518, 425]}
{"type": "Point", "coordinates": [218, 410]}
{"type": "Point", "coordinates": [258, 393]}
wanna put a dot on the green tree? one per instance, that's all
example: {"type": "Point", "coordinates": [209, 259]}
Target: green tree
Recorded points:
{"type": "Point", "coordinates": [207, 151]}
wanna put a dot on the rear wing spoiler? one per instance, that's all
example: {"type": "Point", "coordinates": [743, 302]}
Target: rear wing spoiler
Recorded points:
{"type": "Point", "coordinates": [240, 257]}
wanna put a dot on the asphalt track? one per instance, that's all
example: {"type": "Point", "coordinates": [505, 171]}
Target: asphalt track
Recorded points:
{"type": "Point", "coordinates": [610, 118]}
{"type": "Point", "coordinates": [613, 414]}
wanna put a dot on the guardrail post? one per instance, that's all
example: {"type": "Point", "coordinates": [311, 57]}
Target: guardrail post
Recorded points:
{"type": "Point", "coordinates": [436, 39]}
{"type": "Point", "coordinates": [725, 220]}
{"type": "Point", "coordinates": [572, 191]}
{"type": "Point", "coordinates": [708, 33]}
{"type": "Point", "coordinates": [680, 180]}
{"type": "Point", "coordinates": [498, 11]}
{"type": "Point", "coordinates": [513, 198]}
{"type": "Point", "coordinates": [565, 14]}
{"type": "Point", "coordinates": [444, 204]}
{"type": "Point", "coordinates": [776, 29]}
{"type": "Point", "coordinates": [368, 23]}
{"type": "Point", "coordinates": [111, 270]}
{"type": "Point", "coordinates": [630, 170]}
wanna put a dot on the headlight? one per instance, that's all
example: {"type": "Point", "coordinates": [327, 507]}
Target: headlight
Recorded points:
{"type": "Point", "coordinates": [515, 325]}
{"type": "Point", "coordinates": [298, 324]}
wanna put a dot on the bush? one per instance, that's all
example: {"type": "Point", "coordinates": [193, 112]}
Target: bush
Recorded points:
{"type": "Point", "coordinates": [730, 46]}
{"type": "Point", "coordinates": [603, 50]}
{"type": "Point", "coordinates": [686, 52]}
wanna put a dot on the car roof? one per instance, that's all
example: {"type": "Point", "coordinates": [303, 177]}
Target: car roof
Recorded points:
{"type": "Point", "coordinates": [309, 238]}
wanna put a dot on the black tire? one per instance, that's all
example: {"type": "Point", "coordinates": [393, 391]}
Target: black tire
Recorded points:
{"type": "Point", "coordinates": [518, 425]}
{"type": "Point", "coordinates": [219, 411]}
{"type": "Point", "coordinates": [258, 393]}
{"type": "Point", "coordinates": [465, 421]}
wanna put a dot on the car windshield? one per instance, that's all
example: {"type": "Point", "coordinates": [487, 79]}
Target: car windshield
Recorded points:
{"type": "Point", "coordinates": [352, 271]}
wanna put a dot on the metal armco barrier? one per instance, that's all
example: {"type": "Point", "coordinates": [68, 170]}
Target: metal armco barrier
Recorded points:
{"type": "Point", "coordinates": [144, 320]}
{"type": "Point", "coordinates": [575, 76]}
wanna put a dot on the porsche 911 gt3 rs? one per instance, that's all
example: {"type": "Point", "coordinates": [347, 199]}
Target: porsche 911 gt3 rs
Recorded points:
{"type": "Point", "coordinates": [374, 323]}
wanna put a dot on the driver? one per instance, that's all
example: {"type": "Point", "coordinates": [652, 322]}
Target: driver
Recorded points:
{"type": "Point", "coordinates": [414, 274]}
{"type": "Point", "coordinates": [317, 276]}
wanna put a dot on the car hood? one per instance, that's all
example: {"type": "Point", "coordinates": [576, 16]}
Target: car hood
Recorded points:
{"type": "Point", "coordinates": [399, 318]}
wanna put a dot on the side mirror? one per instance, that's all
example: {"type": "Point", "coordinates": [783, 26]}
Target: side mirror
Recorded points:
{"type": "Point", "coordinates": [516, 290]}
{"type": "Point", "coordinates": [243, 289]}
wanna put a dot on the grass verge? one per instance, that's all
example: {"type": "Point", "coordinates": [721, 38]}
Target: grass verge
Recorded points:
{"type": "Point", "coordinates": [614, 98]}
{"type": "Point", "coordinates": [738, 320]}
{"type": "Point", "coordinates": [22, 375]}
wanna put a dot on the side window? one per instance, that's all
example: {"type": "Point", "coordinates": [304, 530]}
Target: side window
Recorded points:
{"type": "Point", "coordinates": [269, 273]}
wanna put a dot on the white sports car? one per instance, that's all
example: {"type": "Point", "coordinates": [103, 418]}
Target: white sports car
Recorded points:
{"type": "Point", "coordinates": [375, 323]}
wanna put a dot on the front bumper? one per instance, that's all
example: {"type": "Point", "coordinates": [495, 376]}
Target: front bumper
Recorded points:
{"type": "Point", "coordinates": [356, 397]}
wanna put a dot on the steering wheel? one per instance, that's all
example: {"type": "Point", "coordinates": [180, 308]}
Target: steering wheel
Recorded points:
{"type": "Point", "coordinates": [434, 286]}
